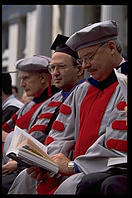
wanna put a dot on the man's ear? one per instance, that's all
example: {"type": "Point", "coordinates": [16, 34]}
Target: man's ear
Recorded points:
{"type": "Point", "coordinates": [44, 77]}
{"type": "Point", "coordinates": [80, 70]}
{"type": "Point", "coordinates": [112, 47]}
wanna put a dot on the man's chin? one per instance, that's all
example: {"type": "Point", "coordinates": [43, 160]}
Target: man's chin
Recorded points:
{"type": "Point", "coordinates": [57, 83]}
{"type": "Point", "coordinates": [29, 94]}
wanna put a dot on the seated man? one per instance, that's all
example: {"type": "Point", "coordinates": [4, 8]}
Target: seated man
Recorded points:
{"type": "Point", "coordinates": [35, 79]}
{"type": "Point", "coordinates": [67, 74]}
{"type": "Point", "coordinates": [115, 180]}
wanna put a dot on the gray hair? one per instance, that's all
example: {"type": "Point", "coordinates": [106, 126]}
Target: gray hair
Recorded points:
{"type": "Point", "coordinates": [118, 46]}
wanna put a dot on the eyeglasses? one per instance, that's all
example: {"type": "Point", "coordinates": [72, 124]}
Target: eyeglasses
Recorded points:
{"type": "Point", "coordinates": [60, 67]}
{"type": "Point", "coordinates": [87, 59]}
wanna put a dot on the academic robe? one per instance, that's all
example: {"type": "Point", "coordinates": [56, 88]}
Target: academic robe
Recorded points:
{"type": "Point", "coordinates": [9, 107]}
{"type": "Point", "coordinates": [83, 130]}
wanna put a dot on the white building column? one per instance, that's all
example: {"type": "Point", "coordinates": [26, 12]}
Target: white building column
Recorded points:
{"type": "Point", "coordinates": [74, 18]}
{"type": "Point", "coordinates": [30, 33]}
{"type": "Point", "coordinates": [55, 21]}
{"type": "Point", "coordinates": [13, 47]}
{"type": "Point", "coordinates": [43, 30]}
{"type": "Point", "coordinates": [117, 13]}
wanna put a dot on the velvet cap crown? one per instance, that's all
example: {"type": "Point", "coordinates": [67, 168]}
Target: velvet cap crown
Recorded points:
{"type": "Point", "coordinates": [93, 34]}
{"type": "Point", "coordinates": [60, 46]}
{"type": "Point", "coordinates": [34, 63]}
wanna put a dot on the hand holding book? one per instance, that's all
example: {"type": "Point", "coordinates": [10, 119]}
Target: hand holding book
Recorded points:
{"type": "Point", "coordinates": [28, 151]}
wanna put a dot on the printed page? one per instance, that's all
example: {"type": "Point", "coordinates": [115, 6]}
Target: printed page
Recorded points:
{"type": "Point", "coordinates": [20, 135]}
{"type": "Point", "coordinates": [36, 160]}
{"type": "Point", "coordinates": [28, 151]}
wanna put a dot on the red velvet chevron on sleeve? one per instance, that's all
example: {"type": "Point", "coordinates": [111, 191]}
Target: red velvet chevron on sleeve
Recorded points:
{"type": "Point", "coordinates": [48, 140]}
{"type": "Point", "coordinates": [45, 115]}
{"type": "Point", "coordinates": [6, 126]}
{"type": "Point", "coordinates": [58, 126]}
{"type": "Point", "coordinates": [119, 125]}
{"type": "Point", "coordinates": [14, 117]}
{"type": "Point", "coordinates": [37, 128]}
{"type": "Point", "coordinates": [65, 109]}
{"type": "Point", "coordinates": [24, 120]}
{"type": "Point", "coordinates": [121, 105]}
{"type": "Point", "coordinates": [54, 104]}
{"type": "Point", "coordinates": [119, 145]}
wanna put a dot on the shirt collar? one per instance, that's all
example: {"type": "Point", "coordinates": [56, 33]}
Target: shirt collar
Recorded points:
{"type": "Point", "coordinates": [105, 83]}
{"type": "Point", "coordinates": [10, 97]}
{"type": "Point", "coordinates": [42, 97]}
{"type": "Point", "coordinates": [65, 94]}
{"type": "Point", "coordinates": [123, 61]}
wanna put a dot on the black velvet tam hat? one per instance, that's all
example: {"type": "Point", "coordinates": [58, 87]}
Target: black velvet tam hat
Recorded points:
{"type": "Point", "coordinates": [60, 46]}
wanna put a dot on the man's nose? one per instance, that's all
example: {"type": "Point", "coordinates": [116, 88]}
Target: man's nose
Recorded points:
{"type": "Point", "coordinates": [56, 71]}
{"type": "Point", "coordinates": [22, 83]}
{"type": "Point", "coordinates": [86, 65]}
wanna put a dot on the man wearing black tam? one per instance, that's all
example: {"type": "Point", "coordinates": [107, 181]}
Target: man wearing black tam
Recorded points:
{"type": "Point", "coordinates": [67, 75]}
{"type": "Point", "coordinates": [63, 58]}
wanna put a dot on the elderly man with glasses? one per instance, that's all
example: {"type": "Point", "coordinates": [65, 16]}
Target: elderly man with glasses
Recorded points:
{"type": "Point", "coordinates": [35, 79]}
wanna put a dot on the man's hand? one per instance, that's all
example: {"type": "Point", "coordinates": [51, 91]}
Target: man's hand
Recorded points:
{"type": "Point", "coordinates": [60, 159]}
{"type": "Point", "coordinates": [9, 167]}
{"type": "Point", "coordinates": [37, 173]}
{"type": "Point", "coordinates": [62, 162]}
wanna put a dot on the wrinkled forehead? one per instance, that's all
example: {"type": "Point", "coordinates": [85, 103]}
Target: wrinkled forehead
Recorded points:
{"type": "Point", "coordinates": [88, 50]}
{"type": "Point", "coordinates": [26, 73]}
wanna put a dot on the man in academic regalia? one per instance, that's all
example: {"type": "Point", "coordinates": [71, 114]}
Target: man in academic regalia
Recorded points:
{"type": "Point", "coordinates": [36, 81]}
{"type": "Point", "coordinates": [67, 75]}
{"type": "Point", "coordinates": [100, 133]}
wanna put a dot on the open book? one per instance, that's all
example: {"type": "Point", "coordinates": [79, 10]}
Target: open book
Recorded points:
{"type": "Point", "coordinates": [28, 151]}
